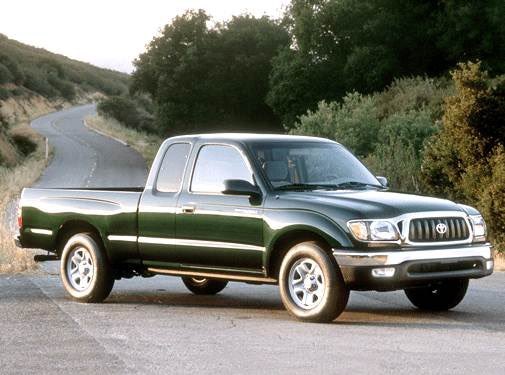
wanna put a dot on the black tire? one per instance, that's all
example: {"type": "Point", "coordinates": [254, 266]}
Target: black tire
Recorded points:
{"type": "Point", "coordinates": [330, 289]}
{"type": "Point", "coordinates": [101, 281]}
{"type": "Point", "coordinates": [442, 296]}
{"type": "Point", "coordinates": [204, 286]}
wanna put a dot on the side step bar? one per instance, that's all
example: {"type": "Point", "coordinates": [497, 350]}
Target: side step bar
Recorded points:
{"type": "Point", "coordinates": [212, 275]}
{"type": "Point", "coordinates": [45, 258]}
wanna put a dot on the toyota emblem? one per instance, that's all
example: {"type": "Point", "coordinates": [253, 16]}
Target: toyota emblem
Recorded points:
{"type": "Point", "coordinates": [441, 228]}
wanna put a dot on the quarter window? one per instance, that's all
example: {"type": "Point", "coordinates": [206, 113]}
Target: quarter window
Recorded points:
{"type": "Point", "coordinates": [214, 165]}
{"type": "Point", "coordinates": [172, 168]}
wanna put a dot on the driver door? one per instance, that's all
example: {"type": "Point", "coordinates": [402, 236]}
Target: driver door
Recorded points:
{"type": "Point", "coordinates": [216, 230]}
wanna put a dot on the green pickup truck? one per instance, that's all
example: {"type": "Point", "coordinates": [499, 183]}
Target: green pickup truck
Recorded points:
{"type": "Point", "coordinates": [299, 212]}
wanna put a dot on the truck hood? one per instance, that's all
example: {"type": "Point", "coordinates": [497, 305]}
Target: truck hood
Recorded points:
{"type": "Point", "coordinates": [370, 204]}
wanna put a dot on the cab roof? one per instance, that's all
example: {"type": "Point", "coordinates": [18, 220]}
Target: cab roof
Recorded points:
{"type": "Point", "coordinates": [247, 138]}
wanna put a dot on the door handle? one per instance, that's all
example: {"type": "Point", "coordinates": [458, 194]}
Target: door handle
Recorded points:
{"type": "Point", "coordinates": [188, 209]}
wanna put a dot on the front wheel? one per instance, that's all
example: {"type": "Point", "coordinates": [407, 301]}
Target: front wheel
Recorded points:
{"type": "Point", "coordinates": [311, 285]}
{"type": "Point", "coordinates": [442, 296]}
{"type": "Point", "coordinates": [85, 270]}
{"type": "Point", "coordinates": [201, 285]}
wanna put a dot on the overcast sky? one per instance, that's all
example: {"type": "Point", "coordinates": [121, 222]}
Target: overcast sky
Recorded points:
{"type": "Point", "coordinates": [109, 33]}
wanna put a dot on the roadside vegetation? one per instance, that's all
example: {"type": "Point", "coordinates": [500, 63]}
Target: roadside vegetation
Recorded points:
{"type": "Point", "coordinates": [33, 82]}
{"type": "Point", "coordinates": [29, 162]}
{"type": "Point", "coordinates": [144, 143]}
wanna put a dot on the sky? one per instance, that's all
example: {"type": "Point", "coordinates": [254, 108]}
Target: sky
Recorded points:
{"type": "Point", "coordinates": [110, 33]}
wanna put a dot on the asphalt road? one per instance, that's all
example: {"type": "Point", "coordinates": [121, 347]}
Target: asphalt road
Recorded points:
{"type": "Point", "coordinates": [83, 158]}
{"type": "Point", "coordinates": [156, 326]}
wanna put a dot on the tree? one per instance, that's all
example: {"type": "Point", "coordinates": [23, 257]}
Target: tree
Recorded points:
{"type": "Point", "coordinates": [210, 77]}
{"type": "Point", "coordinates": [242, 54]}
{"type": "Point", "coordinates": [345, 45]}
{"type": "Point", "coordinates": [465, 160]}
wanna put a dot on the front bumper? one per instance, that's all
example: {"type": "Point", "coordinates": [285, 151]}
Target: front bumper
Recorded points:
{"type": "Point", "coordinates": [399, 269]}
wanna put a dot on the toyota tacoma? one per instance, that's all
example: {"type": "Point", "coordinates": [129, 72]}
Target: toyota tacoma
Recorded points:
{"type": "Point", "coordinates": [299, 212]}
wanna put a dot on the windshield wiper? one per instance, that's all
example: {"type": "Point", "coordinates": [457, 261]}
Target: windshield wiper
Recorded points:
{"type": "Point", "coordinates": [343, 185]}
{"type": "Point", "coordinates": [358, 184]}
{"type": "Point", "coordinates": [306, 187]}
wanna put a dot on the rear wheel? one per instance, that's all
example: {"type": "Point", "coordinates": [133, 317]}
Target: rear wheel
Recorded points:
{"type": "Point", "coordinates": [202, 285]}
{"type": "Point", "coordinates": [311, 285]}
{"type": "Point", "coordinates": [442, 296]}
{"type": "Point", "coordinates": [85, 270]}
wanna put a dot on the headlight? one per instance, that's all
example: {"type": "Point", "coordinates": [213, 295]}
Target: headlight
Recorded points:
{"type": "Point", "coordinates": [479, 228]}
{"type": "Point", "coordinates": [373, 230]}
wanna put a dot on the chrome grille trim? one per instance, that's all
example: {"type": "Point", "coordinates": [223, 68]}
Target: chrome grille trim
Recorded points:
{"type": "Point", "coordinates": [425, 217]}
{"type": "Point", "coordinates": [425, 229]}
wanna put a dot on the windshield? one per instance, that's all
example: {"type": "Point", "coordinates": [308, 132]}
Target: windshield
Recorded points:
{"type": "Point", "coordinates": [311, 165]}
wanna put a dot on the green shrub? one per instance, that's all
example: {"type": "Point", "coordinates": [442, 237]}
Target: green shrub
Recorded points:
{"type": "Point", "coordinates": [19, 91]}
{"type": "Point", "coordinates": [66, 89]}
{"type": "Point", "coordinates": [415, 93]}
{"type": "Point", "coordinates": [399, 162]}
{"type": "Point", "coordinates": [388, 129]}
{"type": "Point", "coordinates": [5, 74]}
{"type": "Point", "coordinates": [127, 111]}
{"type": "Point", "coordinates": [465, 161]}
{"type": "Point", "coordinates": [399, 150]}
{"type": "Point", "coordinates": [39, 84]}
{"type": "Point", "coordinates": [24, 144]}
{"type": "Point", "coordinates": [4, 93]}
{"type": "Point", "coordinates": [354, 123]}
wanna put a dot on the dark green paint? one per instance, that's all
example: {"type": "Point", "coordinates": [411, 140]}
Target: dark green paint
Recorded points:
{"type": "Point", "coordinates": [231, 219]}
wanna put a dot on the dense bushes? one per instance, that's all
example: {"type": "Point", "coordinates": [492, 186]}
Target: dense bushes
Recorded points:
{"type": "Point", "coordinates": [133, 112]}
{"type": "Point", "coordinates": [466, 159]}
{"type": "Point", "coordinates": [5, 74]}
{"type": "Point", "coordinates": [52, 75]}
{"type": "Point", "coordinates": [354, 123]}
{"type": "Point", "coordinates": [387, 130]}
{"type": "Point", "coordinates": [24, 144]}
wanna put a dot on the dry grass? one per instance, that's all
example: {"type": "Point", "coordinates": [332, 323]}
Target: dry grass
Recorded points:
{"type": "Point", "coordinates": [8, 153]}
{"type": "Point", "coordinates": [12, 180]}
{"type": "Point", "coordinates": [146, 144]}
{"type": "Point", "coordinates": [499, 262]}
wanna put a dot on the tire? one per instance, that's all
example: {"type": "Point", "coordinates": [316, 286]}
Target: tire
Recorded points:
{"type": "Point", "coordinates": [204, 286]}
{"type": "Point", "coordinates": [311, 285]}
{"type": "Point", "coordinates": [85, 270]}
{"type": "Point", "coordinates": [442, 296]}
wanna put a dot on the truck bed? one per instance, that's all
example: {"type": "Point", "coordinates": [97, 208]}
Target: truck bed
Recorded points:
{"type": "Point", "coordinates": [108, 210]}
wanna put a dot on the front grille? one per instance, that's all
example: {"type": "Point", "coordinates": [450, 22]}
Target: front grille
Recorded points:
{"type": "Point", "coordinates": [425, 229]}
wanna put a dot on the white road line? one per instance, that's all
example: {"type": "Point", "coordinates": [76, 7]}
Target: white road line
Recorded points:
{"type": "Point", "coordinates": [104, 134]}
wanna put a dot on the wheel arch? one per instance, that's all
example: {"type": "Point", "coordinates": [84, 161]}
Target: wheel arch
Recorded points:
{"type": "Point", "coordinates": [73, 227]}
{"type": "Point", "coordinates": [289, 238]}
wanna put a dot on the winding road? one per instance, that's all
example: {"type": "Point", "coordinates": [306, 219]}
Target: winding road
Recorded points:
{"type": "Point", "coordinates": [156, 326]}
{"type": "Point", "coordinates": [84, 158]}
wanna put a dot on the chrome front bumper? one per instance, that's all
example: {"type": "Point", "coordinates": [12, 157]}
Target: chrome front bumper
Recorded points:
{"type": "Point", "coordinates": [395, 257]}
{"type": "Point", "coordinates": [400, 269]}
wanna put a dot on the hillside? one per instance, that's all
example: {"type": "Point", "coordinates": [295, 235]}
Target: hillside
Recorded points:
{"type": "Point", "coordinates": [26, 70]}
{"type": "Point", "coordinates": [34, 81]}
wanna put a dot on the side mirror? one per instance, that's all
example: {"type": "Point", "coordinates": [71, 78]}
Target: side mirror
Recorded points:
{"type": "Point", "coordinates": [382, 180]}
{"type": "Point", "coordinates": [240, 187]}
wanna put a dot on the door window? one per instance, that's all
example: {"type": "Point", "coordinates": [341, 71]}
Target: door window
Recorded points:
{"type": "Point", "coordinates": [172, 168]}
{"type": "Point", "coordinates": [214, 165]}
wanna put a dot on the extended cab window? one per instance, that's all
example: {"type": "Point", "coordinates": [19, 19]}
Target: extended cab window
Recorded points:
{"type": "Point", "coordinates": [216, 163]}
{"type": "Point", "coordinates": [172, 168]}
